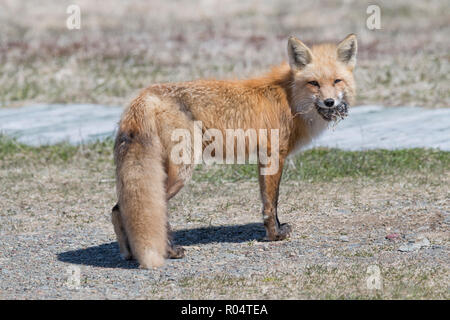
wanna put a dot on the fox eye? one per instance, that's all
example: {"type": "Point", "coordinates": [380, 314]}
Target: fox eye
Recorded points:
{"type": "Point", "coordinates": [314, 83]}
{"type": "Point", "coordinates": [337, 80]}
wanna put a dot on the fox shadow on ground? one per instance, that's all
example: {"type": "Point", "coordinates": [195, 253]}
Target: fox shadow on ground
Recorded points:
{"type": "Point", "coordinates": [107, 255]}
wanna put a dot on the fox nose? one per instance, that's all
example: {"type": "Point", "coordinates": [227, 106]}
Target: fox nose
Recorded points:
{"type": "Point", "coordinates": [329, 102]}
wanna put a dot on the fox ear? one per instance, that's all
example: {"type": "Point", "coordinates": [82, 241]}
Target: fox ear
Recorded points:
{"type": "Point", "coordinates": [346, 50]}
{"type": "Point", "coordinates": [299, 54]}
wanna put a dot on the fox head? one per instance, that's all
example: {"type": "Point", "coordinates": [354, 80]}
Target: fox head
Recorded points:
{"type": "Point", "coordinates": [323, 77]}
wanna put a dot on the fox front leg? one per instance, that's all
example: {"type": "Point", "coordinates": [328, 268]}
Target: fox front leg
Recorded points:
{"type": "Point", "coordinates": [269, 187]}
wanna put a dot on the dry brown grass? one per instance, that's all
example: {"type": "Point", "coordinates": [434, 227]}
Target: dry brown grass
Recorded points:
{"type": "Point", "coordinates": [124, 46]}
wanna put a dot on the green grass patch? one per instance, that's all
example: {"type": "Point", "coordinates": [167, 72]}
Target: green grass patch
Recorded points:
{"type": "Point", "coordinates": [329, 164]}
{"type": "Point", "coordinates": [332, 163]}
{"type": "Point", "coordinates": [12, 151]}
{"type": "Point", "coordinates": [311, 165]}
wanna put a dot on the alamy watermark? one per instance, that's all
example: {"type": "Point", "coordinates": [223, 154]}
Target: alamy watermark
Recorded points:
{"type": "Point", "coordinates": [374, 281]}
{"type": "Point", "coordinates": [74, 19]}
{"type": "Point", "coordinates": [373, 21]}
{"type": "Point", "coordinates": [73, 280]}
{"type": "Point", "coordinates": [250, 146]}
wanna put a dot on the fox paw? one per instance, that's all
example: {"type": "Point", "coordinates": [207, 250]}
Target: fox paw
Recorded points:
{"type": "Point", "coordinates": [175, 252]}
{"type": "Point", "coordinates": [126, 255]}
{"type": "Point", "coordinates": [283, 232]}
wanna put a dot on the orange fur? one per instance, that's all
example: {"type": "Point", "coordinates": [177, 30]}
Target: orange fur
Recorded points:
{"type": "Point", "coordinates": [283, 99]}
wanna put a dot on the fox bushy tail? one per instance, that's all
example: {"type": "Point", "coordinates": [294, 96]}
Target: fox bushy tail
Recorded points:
{"type": "Point", "coordinates": [140, 181]}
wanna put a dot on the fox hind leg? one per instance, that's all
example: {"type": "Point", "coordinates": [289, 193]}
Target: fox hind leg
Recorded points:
{"type": "Point", "coordinates": [173, 251]}
{"type": "Point", "coordinates": [175, 182]}
{"type": "Point", "coordinates": [121, 235]}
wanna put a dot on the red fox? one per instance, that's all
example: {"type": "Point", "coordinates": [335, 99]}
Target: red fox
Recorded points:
{"type": "Point", "coordinates": [298, 99]}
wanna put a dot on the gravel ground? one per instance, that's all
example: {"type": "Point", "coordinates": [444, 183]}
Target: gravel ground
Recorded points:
{"type": "Point", "coordinates": [339, 230]}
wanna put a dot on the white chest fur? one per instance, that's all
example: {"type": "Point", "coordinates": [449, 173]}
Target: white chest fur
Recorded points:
{"type": "Point", "coordinates": [315, 126]}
